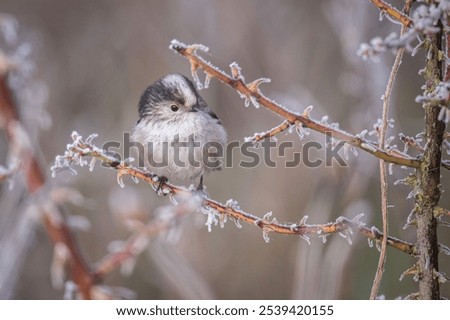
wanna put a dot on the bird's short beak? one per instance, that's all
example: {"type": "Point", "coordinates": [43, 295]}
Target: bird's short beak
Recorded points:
{"type": "Point", "coordinates": [194, 108]}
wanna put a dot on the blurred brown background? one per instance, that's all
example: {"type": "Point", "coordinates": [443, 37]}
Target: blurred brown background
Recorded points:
{"type": "Point", "coordinates": [96, 58]}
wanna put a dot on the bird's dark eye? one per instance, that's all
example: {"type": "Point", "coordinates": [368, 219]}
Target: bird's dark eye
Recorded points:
{"type": "Point", "coordinates": [174, 108]}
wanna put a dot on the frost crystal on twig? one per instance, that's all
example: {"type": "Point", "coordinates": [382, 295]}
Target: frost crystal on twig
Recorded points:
{"type": "Point", "coordinates": [236, 71]}
{"type": "Point", "coordinates": [267, 220]}
{"type": "Point", "coordinates": [425, 21]}
{"type": "Point", "coordinates": [302, 131]}
{"type": "Point", "coordinates": [444, 115]}
{"type": "Point", "coordinates": [75, 154]}
{"type": "Point", "coordinates": [212, 216]}
{"type": "Point", "coordinates": [349, 148]}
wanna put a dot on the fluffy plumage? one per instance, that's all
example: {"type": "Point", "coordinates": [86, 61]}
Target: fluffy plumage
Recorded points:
{"type": "Point", "coordinates": [174, 125]}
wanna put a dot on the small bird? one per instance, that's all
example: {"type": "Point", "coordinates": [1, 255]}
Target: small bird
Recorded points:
{"type": "Point", "coordinates": [182, 137]}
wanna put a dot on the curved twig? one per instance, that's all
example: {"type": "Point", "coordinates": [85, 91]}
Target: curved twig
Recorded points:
{"type": "Point", "coordinates": [393, 13]}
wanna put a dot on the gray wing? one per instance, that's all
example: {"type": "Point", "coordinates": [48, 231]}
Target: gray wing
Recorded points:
{"type": "Point", "coordinates": [204, 107]}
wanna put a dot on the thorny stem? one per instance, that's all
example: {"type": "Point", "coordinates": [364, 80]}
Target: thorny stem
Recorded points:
{"type": "Point", "coordinates": [393, 13]}
{"type": "Point", "coordinates": [341, 225]}
{"type": "Point", "coordinates": [383, 173]}
{"type": "Point", "coordinates": [58, 232]}
{"type": "Point", "coordinates": [252, 90]}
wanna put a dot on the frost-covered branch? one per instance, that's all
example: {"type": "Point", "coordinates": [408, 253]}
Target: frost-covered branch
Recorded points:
{"type": "Point", "coordinates": [392, 12]}
{"type": "Point", "coordinates": [252, 94]}
{"type": "Point", "coordinates": [35, 179]}
{"type": "Point", "coordinates": [383, 174]}
{"type": "Point", "coordinates": [125, 254]}
{"type": "Point", "coordinates": [270, 133]}
{"type": "Point", "coordinates": [427, 20]}
{"type": "Point", "coordinates": [80, 150]}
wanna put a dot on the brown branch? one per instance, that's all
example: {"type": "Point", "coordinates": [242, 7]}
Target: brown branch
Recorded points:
{"type": "Point", "coordinates": [58, 232]}
{"type": "Point", "coordinates": [393, 13]}
{"type": "Point", "coordinates": [429, 192]}
{"type": "Point", "coordinates": [79, 150]}
{"type": "Point", "coordinates": [270, 133]}
{"type": "Point", "coordinates": [252, 92]}
{"type": "Point", "coordinates": [133, 245]}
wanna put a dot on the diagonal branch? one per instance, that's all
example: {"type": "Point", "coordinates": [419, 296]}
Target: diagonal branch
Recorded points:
{"type": "Point", "coordinates": [252, 92]}
{"type": "Point", "coordinates": [393, 13]}
{"type": "Point", "coordinates": [138, 241]}
{"type": "Point", "coordinates": [57, 230]}
{"type": "Point", "coordinates": [270, 133]}
{"type": "Point", "coordinates": [80, 149]}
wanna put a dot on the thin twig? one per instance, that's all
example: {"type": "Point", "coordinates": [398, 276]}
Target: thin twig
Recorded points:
{"type": "Point", "coordinates": [393, 13]}
{"type": "Point", "coordinates": [383, 173]}
{"type": "Point", "coordinates": [80, 149]}
{"type": "Point", "coordinates": [270, 133]}
{"type": "Point", "coordinates": [134, 245]}
{"type": "Point", "coordinates": [251, 92]}
{"type": "Point", "coordinates": [411, 142]}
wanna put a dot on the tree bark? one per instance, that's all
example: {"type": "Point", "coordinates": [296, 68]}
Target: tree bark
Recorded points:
{"type": "Point", "coordinates": [429, 179]}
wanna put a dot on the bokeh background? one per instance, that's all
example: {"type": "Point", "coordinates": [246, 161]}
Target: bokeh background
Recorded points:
{"type": "Point", "coordinates": [91, 60]}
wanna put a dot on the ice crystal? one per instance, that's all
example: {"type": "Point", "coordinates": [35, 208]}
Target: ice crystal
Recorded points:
{"type": "Point", "coordinates": [444, 115]}
{"type": "Point", "coordinates": [302, 131]}
{"type": "Point", "coordinates": [75, 154]}
{"type": "Point", "coordinates": [61, 256]}
{"type": "Point", "coordinates": [440, 276]}
{"type": "Point", "coordinates": [306, 238]}
{"type": "Point", "coordinates": [349, 148]}
{"type": "Point", "coordinates": [120, 179]}
{"type": "Point", "coordinates": [444, 249]}
{"type": "Point", "coordinates": [207, 80]}
{"type": "Point", "coordinates": [236, 71]}
{"type": "Point", "coordinates": [92, 164]}
{"type": "Point", "coordinates": [324, 237]}
{"type": "Point", "coordinates": [378, 245]}
{"type": "Point", "coordinates": [266, 231]}
{"type": "Point", "coordinates": [212, 215]}
{"type": "Point", "coordinates": [347, 236]}
{"type": "Point", "coordinates": [303, 221]}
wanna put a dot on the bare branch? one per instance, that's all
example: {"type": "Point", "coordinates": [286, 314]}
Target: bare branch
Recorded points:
{"type": "Point", "coordinates": [393, 13]}
{"type": "Point", "coordinates": [58, 231]}
{"type": "Point", "coordinates": [138, 241]}
{"type": "Point", "coordinates": [80, 149]}
{"type": "Point", "coordinates": [251, 92]}
{"type": "Point", "coordinates": [270, 133]}
{"type": "Point", "coordinates": [383, 173]}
